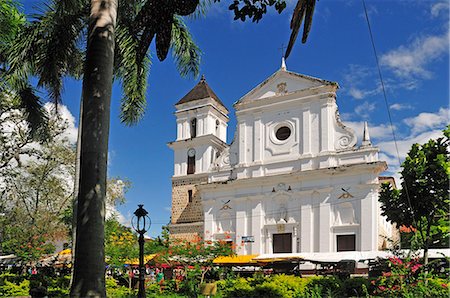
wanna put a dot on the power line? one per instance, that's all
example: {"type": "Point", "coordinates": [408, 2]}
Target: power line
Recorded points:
{"type": "Point", "coordinates": [387, 107]}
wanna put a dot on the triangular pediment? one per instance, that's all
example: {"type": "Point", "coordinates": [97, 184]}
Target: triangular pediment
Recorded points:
{"type": "Point", "coordinates": [283, 82]}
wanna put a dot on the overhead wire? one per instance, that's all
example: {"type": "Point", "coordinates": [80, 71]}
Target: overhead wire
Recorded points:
{"type": "Point", "coordinates": [388, 108]}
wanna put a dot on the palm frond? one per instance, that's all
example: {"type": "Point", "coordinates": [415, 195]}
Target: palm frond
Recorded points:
{"type": "Point", "coordinates": [201, 10]}
{"type": "Point", "coordinates": [303, 12]}
{"type": "Point", "coordinates": [133, 72]}
{"type": "Point", "coordinates": [36, 116]}
{"type": "Point", "coordinates": [185, 52]}
{"type": "Point", "coordinates": [49, 48]}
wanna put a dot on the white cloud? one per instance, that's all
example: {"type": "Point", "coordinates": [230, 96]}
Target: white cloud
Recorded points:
{"type": "Point", "coordinates": [379, 132]}
{"type": "Point", "coordinates": [356, 93]}
{"type": "Point", "coordinates": [428, 121]}
{"type": "Point", "coordinates": [437, 8]}
{"type": "Point", "coordinates": [389, 151]}
{"type": "Point", "coordinates": [364, 109]}
{"type": "Point", "coordinates": [71, 131]}
{"type": "Point", "coordinates": [412, 60]}
{"type": "Point", "coordinates": [400, 106]}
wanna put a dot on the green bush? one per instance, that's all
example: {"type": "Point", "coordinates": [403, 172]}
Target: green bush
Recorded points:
{"type": "Point", "coordinates": [238, 287]}
{"type": "Point", "coordinates": [116, 291]}
{"type": "Point", "coordinates": [329, 286]}
{"type": "Point", "coordinates": [14, 278]}
{"type": "Point", "coordinates": [354, 287]}
{"type": "Point", "coordinates": [58, 292]}
{"type": "Point", "coordinates": [9, 289]}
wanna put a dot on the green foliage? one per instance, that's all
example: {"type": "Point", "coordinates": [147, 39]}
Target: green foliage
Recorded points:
{"type": "Point", "coordinates": [38, 188]}
{"type": "Point", "coordinates": [117, 291]}
{"type": "Point", "coordinates": [357, 286]}
{"type": "Point", "coordinates": [9, 289]}
{"type": "Point", "coordinates": [280, 286]}
{"type": "Point", "coordinates": [120, 243]}
{"type": "Point", "coordinates": [423, 201]}
{"type": "Point", "coordinates": [254, 10]}
{"type": "Point", "coordinates": [6, 276]}
{"type": "Point", "coordinates": [330, 286]}
{"type": "Point", "coordinates": [407, 279]}
{"type": "Point", "coordinates": [11, 20]}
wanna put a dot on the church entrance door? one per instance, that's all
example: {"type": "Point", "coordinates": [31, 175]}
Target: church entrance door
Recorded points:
{"type": "Point", "coordinates": [282, 243]}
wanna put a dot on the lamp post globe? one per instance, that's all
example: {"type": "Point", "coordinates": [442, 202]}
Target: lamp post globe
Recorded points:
{"type": "Point", "coordinates": [141, 223]}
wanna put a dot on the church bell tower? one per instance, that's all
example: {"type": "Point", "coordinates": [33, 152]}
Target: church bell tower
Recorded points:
{"type": "Point", "coordinates": [201, 136]}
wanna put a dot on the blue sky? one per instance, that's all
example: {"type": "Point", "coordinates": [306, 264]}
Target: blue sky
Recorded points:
{"type": "Point", "coordinates": [412, 40]}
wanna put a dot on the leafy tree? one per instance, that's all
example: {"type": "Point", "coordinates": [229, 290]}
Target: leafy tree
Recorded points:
{"type": "Point", "coordinates": [423, 201]}
{"type": "Point", "coordinates": [37, 187]}
{"type": "Point", "coordinates": [120, 242]}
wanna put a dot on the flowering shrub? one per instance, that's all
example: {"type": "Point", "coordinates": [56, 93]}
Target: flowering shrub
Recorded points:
{"type": "Point", "coordinates": [406, 279]}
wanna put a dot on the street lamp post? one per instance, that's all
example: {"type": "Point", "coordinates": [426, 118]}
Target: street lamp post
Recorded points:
{"type": "Point", "coordinates": [141, 223]}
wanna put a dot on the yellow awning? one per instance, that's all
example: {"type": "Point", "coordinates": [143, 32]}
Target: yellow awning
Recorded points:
{"type": "Point", "coordinates": [147, 258]}
{"type": "Point", "coordinates": [67, 251]}
{"type": "Point", "coordinates": [278, 259]}
{"type": "Point", "coordinates": [238, 260]}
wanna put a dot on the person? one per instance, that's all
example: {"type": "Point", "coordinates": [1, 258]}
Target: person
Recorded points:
{"type": "Point", "coordinates": [159, 276]}
{"type": "Point", "coordinates": [160, 279]}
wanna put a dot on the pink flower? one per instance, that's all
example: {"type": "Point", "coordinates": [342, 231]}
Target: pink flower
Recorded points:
{"type": "Point", "coordinates": [415, 267]}
{"type": "Point", "coordinates": [444, 285]}
{"type": "Point", "coordinates": [396, 261]}
{"type": "Point", "coordinates": [387, 274]}
{"type": "Point", "coordinates": [382, 288]}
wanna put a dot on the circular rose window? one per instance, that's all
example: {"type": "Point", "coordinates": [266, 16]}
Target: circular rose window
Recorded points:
{"type": "Point", "coordinates": [283, 133]}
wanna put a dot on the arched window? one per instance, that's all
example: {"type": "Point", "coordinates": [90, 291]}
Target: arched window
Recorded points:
{"type": "Point", "coordinates": [194, 128]}
{"type": "Point", "coordinates": [191, 161]}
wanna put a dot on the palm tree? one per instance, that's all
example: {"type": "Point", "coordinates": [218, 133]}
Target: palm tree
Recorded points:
{"type": "Point", "coordinates": [15, 91]}
{"type": "Point", "coordinates": [51, 47]}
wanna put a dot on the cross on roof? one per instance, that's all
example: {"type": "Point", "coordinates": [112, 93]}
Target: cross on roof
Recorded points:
{"type": "Point", "coordinates": [282, 49]}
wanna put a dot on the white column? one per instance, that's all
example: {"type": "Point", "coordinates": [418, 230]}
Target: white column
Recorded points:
{"type": "Point", "coordinates": [209, 224]}
{"type": "Point", "coordinates": [241, 224]}
{"type": "Point", "coordinates": [258, 143]}
{"type": "Point", "coordinates": [326, 127]}
{"type": "Point", "coordinates": [325, 231]}
{"type": "Point", "coordinates": [305, 137]}
{"type": "Point", "coordinates": [369, 226]}
{"type": "Point", "coordinates": [306, 227]}
{"type": "Point", "coordinates": [242, 143]}
{"type": "Point", "coordinates": [199, 126]}
{"type": "Point", "coordinates": [256, 229]}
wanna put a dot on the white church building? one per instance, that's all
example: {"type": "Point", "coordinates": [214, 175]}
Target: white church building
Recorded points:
{"type": "Point", "coordinates": [293, 180]}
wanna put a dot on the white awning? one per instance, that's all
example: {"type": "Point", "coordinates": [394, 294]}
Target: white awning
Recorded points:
{"type": "Point", "coordinates": [333, 257]}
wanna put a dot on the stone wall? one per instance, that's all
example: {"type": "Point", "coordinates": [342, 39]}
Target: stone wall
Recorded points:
{"type": "Point", "coordinates": [187, 232]}
{"type": "Point", "coordinates": [185, 212]}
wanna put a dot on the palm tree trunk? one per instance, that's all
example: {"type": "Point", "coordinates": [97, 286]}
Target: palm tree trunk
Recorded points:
{"type": "Point", "coordinates": [76, 187]}
{"type": "Point", "coordinates": [89, 261]}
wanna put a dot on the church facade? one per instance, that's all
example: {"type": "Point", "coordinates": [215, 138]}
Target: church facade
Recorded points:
{"type": "Point", "coordinates": [293, 180]}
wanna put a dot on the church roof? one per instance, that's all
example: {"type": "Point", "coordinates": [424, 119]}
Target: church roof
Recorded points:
{"type": "Point", "coordinates": [308, 81]}
{"type": "Point", "coordinates": [200, 91]}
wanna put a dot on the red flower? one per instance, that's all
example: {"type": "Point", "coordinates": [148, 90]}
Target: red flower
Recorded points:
{"type": "Point", "coordinates": [415, 267]}
{"type": "Point", "coordinates": [396, 261]}
{"type": "Point", "coordinates": [382, 288]}
{"type": "Point", "coordinates": [444, 285]}
{"type": "Point", "coordinates": [387, 274]}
